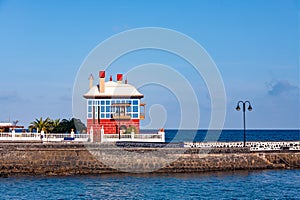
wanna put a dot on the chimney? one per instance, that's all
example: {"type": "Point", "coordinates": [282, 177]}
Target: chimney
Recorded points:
{"type": "Point", "coordinates": [126, 81]}
{"type": "Point", "coordinates": [110, 78]}
{"type": "Point", "coordinates": [102, 81]}
{"type": "Point", "coordinates": [91, 78]}
{"type": "Point", "coordinates": [119, 78]}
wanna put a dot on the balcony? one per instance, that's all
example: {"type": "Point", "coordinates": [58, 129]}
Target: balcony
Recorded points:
{"type": "Point", "coordinates": [142, 116]}
{"type": "Point", "coordinates": [119, 110]}
{"type": "Point", "coordinates": [143, 111]}
{"type": "Point", "coordinates": [120, 117]}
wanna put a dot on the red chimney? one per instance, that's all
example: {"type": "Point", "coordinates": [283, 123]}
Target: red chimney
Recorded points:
{"type": "Point", "coordinates": [119, 77]}
{"type": "Point", "coordinates": [102, 81]}
{"type": "Point", "coordinates": [102, 74]}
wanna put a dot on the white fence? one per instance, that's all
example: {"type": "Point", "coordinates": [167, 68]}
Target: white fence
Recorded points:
{"type": "Point", "coordinates": [50, 137]}
{"type": "Point", "coordinates": [59, 137]}
{"type": "Point", "coordinates": [254, 146]}
{"type": "Point", "coordinates": [155, 137]}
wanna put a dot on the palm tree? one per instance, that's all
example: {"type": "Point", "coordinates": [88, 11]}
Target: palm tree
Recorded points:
{"type": "Point", "coordinates": [40, 124]}
{"type": "Point", "coordinates": [54, 125]}
{"type": "Point", "coordinates": [63, 127]}
{"type": "Point", "coordinates": [66, 125]}
{"type": "Point", "coordinates": [58, 126]}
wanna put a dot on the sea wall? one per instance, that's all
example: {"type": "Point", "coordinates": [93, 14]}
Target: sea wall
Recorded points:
{"type": "Point", "coordinates": [67, 159]}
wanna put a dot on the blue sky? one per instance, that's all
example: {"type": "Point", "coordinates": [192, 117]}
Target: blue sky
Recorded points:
{"type": "Point", "coordinates": [255, 45]}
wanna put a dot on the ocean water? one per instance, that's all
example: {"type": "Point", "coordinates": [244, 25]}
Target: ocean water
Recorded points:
{"type": "Point", "coordinates": [265, 184]}
{"type": "Point", "coordinates": [232, 135]}
{"type": "Point", "coordinates": [257, 184]}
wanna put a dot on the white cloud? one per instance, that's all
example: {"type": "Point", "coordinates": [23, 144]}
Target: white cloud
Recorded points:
{"type": "Point", "coordinates": [280, 87]}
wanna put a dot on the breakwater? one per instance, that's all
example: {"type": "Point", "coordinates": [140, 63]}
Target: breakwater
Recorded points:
{"type": "Point", "coordinates": [72, 158]}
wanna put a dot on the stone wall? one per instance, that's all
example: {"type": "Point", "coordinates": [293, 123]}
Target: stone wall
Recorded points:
{"type": "Point", "coordinates": [67, 159]}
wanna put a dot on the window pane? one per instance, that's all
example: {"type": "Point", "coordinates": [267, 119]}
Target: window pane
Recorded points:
{"type": "Point", "coordinates": [128, 109]}
{"type": "Point", "coordinates": [90, 109]}
{"type": "Point", "coordinates": [135, 109]}
{"type": "Point", "coordinates": [135, 115]}
{"type": "Point", "coordinates": [102, 115]}
{"type": "Point", "coordinates": [107, 109]}
{"type": "Point", "coordinates": [89, 102]}
{"type": "Point", "coordinates": [107, 115]}
{"type": "Point", "coordinates": [102, 108]}
{"type": "Point", "coordinates": [107, 102]}
{"type": "Point", "coordinates": [135, 102]}
{"type": "Point", "coordinates": [102, 102]}
{"type": "Point", "coordinates": [89, 115]}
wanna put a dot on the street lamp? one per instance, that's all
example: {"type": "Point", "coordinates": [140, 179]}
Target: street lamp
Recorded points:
{"type": "Point", "coordinates": [244, 116]}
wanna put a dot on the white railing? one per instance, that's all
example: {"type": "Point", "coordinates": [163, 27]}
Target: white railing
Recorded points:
{"type": "Point", "coordinates": [156, 137]}
{"type": "Point", "coordinates": [19, 137]}
{"type": "Point", "coordinates": [50, 137]}
{"type": "Point", "coordinates": [269, 146]}
{"type": "Point", "coordinates": [57, 137]}
{"type": "Point", "coordinates": [254, 146]}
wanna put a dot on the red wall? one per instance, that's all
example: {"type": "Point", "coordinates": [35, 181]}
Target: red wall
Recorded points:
{"type": "Point", "coordinates": [109, 125]}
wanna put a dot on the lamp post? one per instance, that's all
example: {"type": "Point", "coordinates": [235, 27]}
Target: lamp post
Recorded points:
{"type": "Point", "coordinates": [244, 116]}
